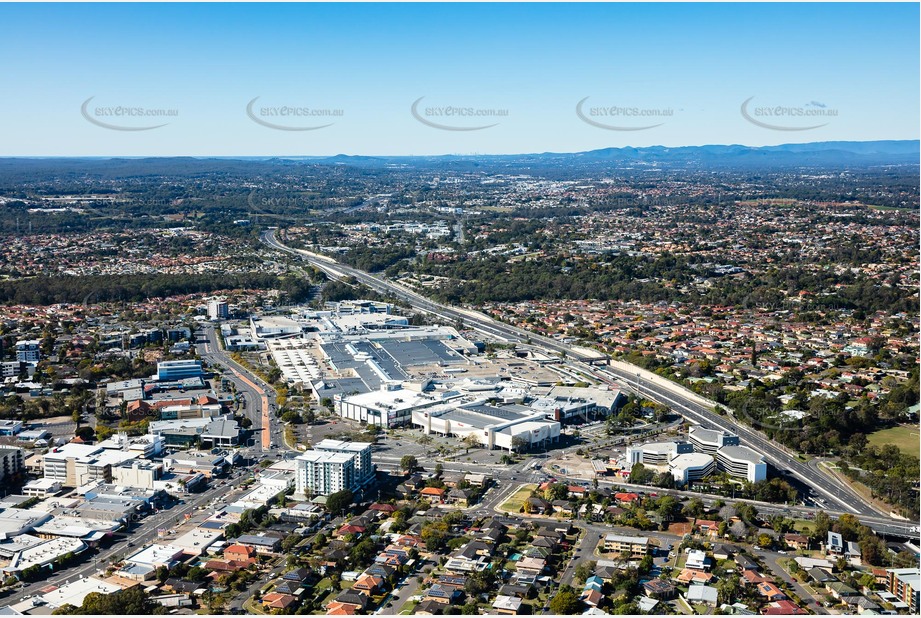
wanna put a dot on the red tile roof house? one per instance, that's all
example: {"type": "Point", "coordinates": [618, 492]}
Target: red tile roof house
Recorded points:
{"type": "Point", "coordinates": [368, 584]}
{"type": "Point", "coordinates": [750, 576]}
{"type": "Point", "coordinates": [383, 508]}
{"type": "Point", "coordinates": [592, 597]}
{"type": "Point", "coordinates": [782, 608]}
{"type": "Point", "coordinates": [276, 600]}
{"type": "Point", "coordinates": [707, 527]}
{"type": "Point", "coordinates": [435, 494]}
{"type": "Point", "coordinates": [337, 608]}
{"type": "Point", "coordinates": [224, 566]}
{"type": "Point", "coordinates": [349, 529]}
{"type": "Point", "coordinates": [239, 552]}
{"type": "Point", "coordinates": [688, 576]}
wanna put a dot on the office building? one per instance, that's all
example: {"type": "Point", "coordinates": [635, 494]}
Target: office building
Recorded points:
{"type": "Point", "coordinates": [691, 467]}
{"type": "Point", "coordinates": [742, 462]}
{"type": "Point", "coordinates": [137, 474]}
{"type": "Point", "coordinates": [710, 440]}
{"type": "Point", "coordinates": [11, 369]}
{"type": "Point", "coordinates": [657, 453]}
{"type": "Point", "coordinates": [75, 465]}
{"type": "Point", "coordinates": [11, 463]}
{"type": "Point", "coordinates": [178, 370]}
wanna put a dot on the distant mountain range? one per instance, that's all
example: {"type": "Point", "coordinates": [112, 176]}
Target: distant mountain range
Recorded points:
{"type": "Point", "coordinates": [808, 155]}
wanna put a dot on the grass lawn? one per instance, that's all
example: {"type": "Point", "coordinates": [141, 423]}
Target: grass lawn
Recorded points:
{"type": "Point", "coordinates": [408, 608]}
{"type": "Point", "coordinates": [803, 527]}
{"type": "Point", "coordinates": [517, 500]}
{"type": "Point", "coordinates": [905, 437]}
{"type": "Point", "coordinates": [253, 607]}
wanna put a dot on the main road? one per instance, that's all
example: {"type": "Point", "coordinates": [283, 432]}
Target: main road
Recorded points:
{"type": "Point", "coordinates": [650, 385]}
{"type": "Point", "coordinates": [136, 537]}
{"type": "Point", "coordinates": [259, 396]}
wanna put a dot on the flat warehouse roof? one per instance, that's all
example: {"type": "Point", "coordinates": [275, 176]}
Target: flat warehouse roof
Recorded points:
{"type": "Point", "coordinates": [384, 360]}
{"type": "Point", "coordinates": [410, 353]}
{"type": "Point", "coordinates": [510, 412]}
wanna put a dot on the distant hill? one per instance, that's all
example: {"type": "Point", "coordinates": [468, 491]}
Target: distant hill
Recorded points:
{"type": "Point", "coordinates": [808, 155]}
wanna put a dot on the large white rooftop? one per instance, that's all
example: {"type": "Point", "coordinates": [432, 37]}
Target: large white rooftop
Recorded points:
{"type": "Point", "coordinates": [73, 450]}
{"type": "Point", "coordinates": [741, 453]}
{"type": "Point", "coordinates": [689, 461]}
{"type": "Point", "coordinates": [76, 527]}
{"type": "Point", "coordinates": [75, 592]}
{"type": "Point", "coordinates": [394, 400]}
{"type": "Point", "coordinates": [198, 540]}
{"type": "Point", "coordinates": [156, 554]}
{"type": "Point", "coordinates": [325, 457]}
{"type": "Point", "coordinates": [44, 553]}
{"type": "Point", "coordinates": [340, 445]}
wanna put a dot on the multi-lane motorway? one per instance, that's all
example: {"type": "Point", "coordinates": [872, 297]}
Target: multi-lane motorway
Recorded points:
{"type": "Point", "coordinates": [650, 385]}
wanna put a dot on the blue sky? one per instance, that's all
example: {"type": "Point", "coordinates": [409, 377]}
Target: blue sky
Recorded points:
{"type": "Point", "coordinates": [853, 68]}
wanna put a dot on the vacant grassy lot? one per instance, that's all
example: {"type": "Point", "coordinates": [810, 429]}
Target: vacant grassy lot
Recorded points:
{"type": "Point", "coordinates": [517, 499]}
{"type": "Point", "coordinates": [905, 437]}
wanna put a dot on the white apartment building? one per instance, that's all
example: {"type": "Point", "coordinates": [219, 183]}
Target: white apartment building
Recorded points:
{"type": "Point", "coordinates": [218, 310]}
{"type": "Point", "coordinates": [360, 451]}
{"type": "Point", "coordinates": [324, 473]}
{"type": "Point", "coordinates": [28, 351]}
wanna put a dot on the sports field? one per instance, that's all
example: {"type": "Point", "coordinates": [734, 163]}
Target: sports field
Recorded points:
{"type": "Point", "coordinates": [905, 437]}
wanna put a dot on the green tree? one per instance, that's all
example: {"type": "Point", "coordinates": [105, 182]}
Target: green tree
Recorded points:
{"type": "Point", "coordinates": [124, 602]}
{"type": "Point", "coordinates": [694, 508]}
{"type": "Point", "coordinates": [640, 474]}
{"type": "Point", "coordinates": [566, 602]}
{"type": "Point", "coordinates": [408, 463]}
{"type": "Point", "coordinates": [338, 502]}
{"type": "Point", "coordinates": [585, 570]}
{"type": "Point", "coordinates": [557, 491]}
{"type": "Point", "coordinates": [728, 588]}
